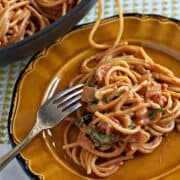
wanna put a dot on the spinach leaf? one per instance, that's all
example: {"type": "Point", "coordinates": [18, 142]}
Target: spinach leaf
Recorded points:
{"type": "Point", "coordinates": [152, 113]}
{"type": "Point", "coordinates": [84, 119]}
{"type": "Point", "coordinates": [100, 138]}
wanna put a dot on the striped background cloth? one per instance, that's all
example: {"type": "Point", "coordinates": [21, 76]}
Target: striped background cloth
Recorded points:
{"type": "Point", "coordinates": [9, 74]}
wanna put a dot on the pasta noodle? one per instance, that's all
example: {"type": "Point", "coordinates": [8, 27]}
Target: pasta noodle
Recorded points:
{"type": "Point", "coordinates": [22, 18]}
{"type": "Point", "coordinates": [130, 104]}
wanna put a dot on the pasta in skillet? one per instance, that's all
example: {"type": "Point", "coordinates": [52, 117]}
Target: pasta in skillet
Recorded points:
{"type": "Point", "coordinates": [22, 18]}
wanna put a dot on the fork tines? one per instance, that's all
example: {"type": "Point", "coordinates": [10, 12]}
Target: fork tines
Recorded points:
{"type": "Point", "coordinates": [68, 97]}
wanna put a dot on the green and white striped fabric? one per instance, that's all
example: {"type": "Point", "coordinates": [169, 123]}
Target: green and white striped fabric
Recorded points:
{"type": "Point", "coordinates": [9, 74]}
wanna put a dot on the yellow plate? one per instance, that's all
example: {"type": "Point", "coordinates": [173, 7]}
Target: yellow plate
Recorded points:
{"type": "Point", "coordinates": [44, 157]}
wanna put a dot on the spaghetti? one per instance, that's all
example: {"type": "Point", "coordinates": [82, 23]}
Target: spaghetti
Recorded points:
{"type": "Point", "coordinates": [22, 18]}
{"type": "Point", "coordinates": [130, 104]}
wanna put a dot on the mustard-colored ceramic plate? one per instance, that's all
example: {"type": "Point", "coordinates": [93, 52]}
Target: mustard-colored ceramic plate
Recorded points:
{"type": "Point", "coordinates": [44, 157]}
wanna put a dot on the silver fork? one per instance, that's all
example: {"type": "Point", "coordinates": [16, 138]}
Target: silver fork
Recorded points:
{"type": "Point", "coordinates": [53, 111]}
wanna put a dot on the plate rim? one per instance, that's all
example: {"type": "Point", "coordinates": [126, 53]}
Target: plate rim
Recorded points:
{"type": "Point", "coordinates": [19, 158]}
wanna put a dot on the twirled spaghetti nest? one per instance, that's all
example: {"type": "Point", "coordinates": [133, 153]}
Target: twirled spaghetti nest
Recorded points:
{"type": "Point", "coordinates": [130, 104]}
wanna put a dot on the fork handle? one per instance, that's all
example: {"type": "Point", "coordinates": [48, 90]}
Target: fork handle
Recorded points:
{"type": "Point", "coordinates": [5, 159]}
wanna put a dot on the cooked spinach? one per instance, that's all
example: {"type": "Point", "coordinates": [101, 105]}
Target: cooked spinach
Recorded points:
{"type": "Point", "coordinates": [84, 119]}
{"type": "Point", "coordinates": [152, 113]}
{"type": "Point", "coordinates": [100, 138]}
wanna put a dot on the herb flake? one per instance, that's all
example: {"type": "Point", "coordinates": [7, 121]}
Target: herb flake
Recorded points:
{"type": "Point", "coordinates": [152, 113]}
{"type": "Point", "coordinates": [118, 94]}
{"type": "Point", "coordinates": [90, 84]}
{"type": "Point", "coordinates": [100, 138]}
{"type": "Point", "coordinates": [131, 125]}
{"type": "Point", "coordinates": [105, 99]}
{"type": "Point", "coordinates": [84, 119]}
{"type": "Point", "coordinates": [95, 101]}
